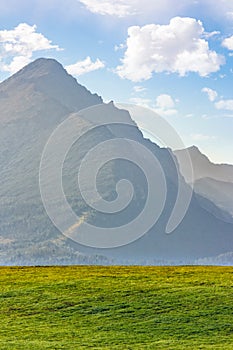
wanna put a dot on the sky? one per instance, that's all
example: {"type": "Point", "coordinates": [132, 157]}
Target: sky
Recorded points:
{"type": "Point", "coordinates": [172, 56]}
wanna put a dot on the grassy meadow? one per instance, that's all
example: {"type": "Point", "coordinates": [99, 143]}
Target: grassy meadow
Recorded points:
{"type": "Point", "coordinates": [93, 307]}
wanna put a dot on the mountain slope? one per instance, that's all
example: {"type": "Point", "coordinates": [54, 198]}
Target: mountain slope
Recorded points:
{"type": "Point", "coordinates": [203, 167]}
{"type": "Point", "coordinates": [211, 181]}
{"type": "Point", "coordinates": [33, 103]}
{"type": "Point", "coordinates": [219, 192]}
{"type": "Point", "coordinates": [45, 84]}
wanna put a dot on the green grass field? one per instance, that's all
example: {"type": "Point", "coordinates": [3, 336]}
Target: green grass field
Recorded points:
{"type": "Point", "coordinates": [81, 307]}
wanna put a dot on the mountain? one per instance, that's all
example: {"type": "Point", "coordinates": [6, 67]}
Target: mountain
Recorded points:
{"type": "Point", "coordinates": [218, 192]}
{"type": "Point", "coordinates": [34, 102]}
{"type": "Point", "coordinates": [211, 181]}
{"type": "Point", "coordinates": [203, 167]}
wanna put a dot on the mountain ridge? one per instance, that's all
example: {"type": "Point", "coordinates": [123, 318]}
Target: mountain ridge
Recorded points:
{"type": "Point", "coordinates": [211, 181]}
{"type": "Point", "coordinates": [203, 167]}
{"type": "Point", "coordinates": [42, 104]}
{"type": "Point", "coordinates": [38, 81]}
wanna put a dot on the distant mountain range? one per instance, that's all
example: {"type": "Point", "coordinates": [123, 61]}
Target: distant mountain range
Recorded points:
{"type": "Point", "coordinates": [203, 167]}
{"type": "Point", "coordinates": [211, 181]}
{"type": "Point", "coordinates": [33, 102]}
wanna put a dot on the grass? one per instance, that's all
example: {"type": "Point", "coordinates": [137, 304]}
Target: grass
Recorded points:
{"type": "Point", "coordinates": [93, 307]}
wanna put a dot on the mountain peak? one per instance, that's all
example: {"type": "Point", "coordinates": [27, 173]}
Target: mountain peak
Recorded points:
{"type": "Point", "coordinates": [36, 69]}
{"type": "Point", "coordinates": [202, 166]}
{"type": "Point", "coordinates": [195, 152]}
{"type": "Point", "coordinates": [194, 148]}
{"type": "Point", "coordinates": [45, 79]}
{"type": "Point", "coordinates": [42, 66]}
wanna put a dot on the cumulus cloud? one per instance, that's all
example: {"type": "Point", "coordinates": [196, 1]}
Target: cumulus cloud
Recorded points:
{"type": "Point", "coordinates": [212, 94]}
{"type": "Point", "coordinates": [225, 105]}
{"type": "Point", "coordinates": [17, 63]}
{"type": "Point", "coordinates": [228, 43]}
{"type": "Point", "coordinates": [165, 101]}
{"type": "Point", "coordinates": [165, 105]}
{"type": "Point", "coordinates": [178, 47]}
{"type": "Point", "coordinates": [18, 45]}
{"type": "Point", "coordinates": [85, 66]}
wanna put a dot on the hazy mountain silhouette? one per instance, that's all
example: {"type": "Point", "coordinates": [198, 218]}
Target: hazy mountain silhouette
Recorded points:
{"type": "Point", "coordinates": [219, 192]}
{"type": "Point", "coordinates": [33, 103]}
{"type": "Point", "coordinates": [211, 181]}
{"type": "Point", "coordinates": [203, 167]}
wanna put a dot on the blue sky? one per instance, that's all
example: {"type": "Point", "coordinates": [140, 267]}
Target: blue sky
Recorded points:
{"type": "Point", "coordinates": [174, 56]}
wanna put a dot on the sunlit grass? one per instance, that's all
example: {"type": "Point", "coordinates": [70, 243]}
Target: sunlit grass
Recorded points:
{"type": "Point", "coordinates": [116, 308]}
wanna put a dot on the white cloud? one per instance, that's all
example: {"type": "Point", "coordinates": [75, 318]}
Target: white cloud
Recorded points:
{"type": "Point", "coordinates": [144, 102]}
{"type": "Point", "coordinates": [224, 104]}
{"type": "Point", "coordinates": [119, 47]}
{"type": "Point", "coordinates": [165, 105]}
{"type": "Point", "coordinates": [164, 101]}
{"type": "Point", "coordinates": [159, 8]}
{"type": "Point", "coordinates": [85, 66]}
{"type": "Point", "coordinates": [202, 137]}
{"type": "Point", "coordinates": [178, 47]}
{"type": "Point", "coordinates": [208, 35]}
{"type": "Point", "coordinates": [18, 45]}
{"type": "Point", "coordinates": [228, 43]}
{"type": "Point", "coordinates": [16, 63]}
{"type": "Point", "coordinates": [120, 8]}
{"type": "Point", "coordinates": [138, 88]}
{"type": "Point", "coordinates": [212, 94]}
